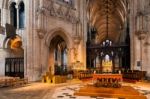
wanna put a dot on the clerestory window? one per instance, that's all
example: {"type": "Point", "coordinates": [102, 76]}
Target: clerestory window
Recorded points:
{"type": "Point", "coordinates": [13, 14]}
{"type": "Point", "coordinates": [21, 15]}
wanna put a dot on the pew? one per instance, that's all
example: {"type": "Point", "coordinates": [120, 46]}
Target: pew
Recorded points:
{"type": "Point", "coordinates": [133, 75]}
{"type": "Point", "coordinates": [12, 81]}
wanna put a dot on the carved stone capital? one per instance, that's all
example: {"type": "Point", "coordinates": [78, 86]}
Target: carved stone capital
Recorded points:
{"type": "Point", "coordinates": [141, 35]}
{"type": "Point", "coordinates": [77, 40]}
{"type": "Point", "coordinates": [147, 43]}
{"type": "Point", "coordinates": [41, 33]}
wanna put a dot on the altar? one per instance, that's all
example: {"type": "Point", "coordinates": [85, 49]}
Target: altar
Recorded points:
{"type": "Point", "coordinates": [107, 80]}
{"type": "Point", "coordinates": [109, 86]}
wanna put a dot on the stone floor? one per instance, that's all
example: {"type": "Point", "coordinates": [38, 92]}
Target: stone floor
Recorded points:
{"type": "Point", "coordinates": [37, 90]}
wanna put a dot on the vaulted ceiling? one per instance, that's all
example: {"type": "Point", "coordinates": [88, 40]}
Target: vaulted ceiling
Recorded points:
{"type": "Point", "coordinates": [108, 17]}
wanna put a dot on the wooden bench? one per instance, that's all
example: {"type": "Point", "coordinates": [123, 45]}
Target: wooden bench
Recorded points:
{"type": "Point", "coordinates": [134, 75]}
{"type": "Point", "coordinates": [12, 81]}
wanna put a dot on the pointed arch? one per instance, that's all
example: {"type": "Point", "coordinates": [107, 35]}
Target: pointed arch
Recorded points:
{"type": "Point", "coordinates": [60, 32]}
{"type": "Point", "coordinates": [13, 14]}
{"type": "Point", "coordinates": [8, 3]}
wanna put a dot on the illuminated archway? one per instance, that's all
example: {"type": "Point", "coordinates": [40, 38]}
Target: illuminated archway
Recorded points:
{"type": "Point", "coordinates": [59, 49]}
{"type": "Point", "coordinates": [54, 38]}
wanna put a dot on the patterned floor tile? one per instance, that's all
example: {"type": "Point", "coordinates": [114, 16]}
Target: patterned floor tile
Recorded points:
{"type": "Point", "coordinates": [72, 97]}
{"type": "Point", "coordinates": [60, 96]}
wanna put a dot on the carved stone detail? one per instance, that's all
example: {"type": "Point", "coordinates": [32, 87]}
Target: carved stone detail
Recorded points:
{"type": "Point", "coordinates": [41, 33]}
{"type": "Point", "coordinates": [49, 8]}
{"type": "Point", "coordinates": [141, 35]}
{"type": "Point", "coordinates": [40, 23]}
{"type": "Point", "coordinates": [60, 12]}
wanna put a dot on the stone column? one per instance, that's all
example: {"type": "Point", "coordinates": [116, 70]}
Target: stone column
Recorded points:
{"type": "Point", "coordinates": [84, 30]}
{"type": "Point", "coordinates": [17, 7]}
{"type": "Point", "coordinates": [4, 17]}
{"type": "Point", "coordinates": [29, 34]}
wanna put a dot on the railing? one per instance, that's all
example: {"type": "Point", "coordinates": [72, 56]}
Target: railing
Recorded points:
{"type": "Point", "coordinates": [14, 67]}
{"type": "Point", "coordinates": [12, 81]}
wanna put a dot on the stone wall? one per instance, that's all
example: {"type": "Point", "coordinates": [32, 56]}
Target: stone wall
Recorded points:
{"type": "Point", "coordinates": [3, 54]}
{"type": "Point", "coordinates": [140, 42]}
{"type": "Point", "coordinates": [47, 19]}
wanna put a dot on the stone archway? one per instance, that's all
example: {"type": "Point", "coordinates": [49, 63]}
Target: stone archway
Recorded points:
{"type": "Point", "coordinates": [58, 31]}
{"type": "Point", "coordinates": [54, 39]}
{"type": "Point", "coordinates": [58, 53]}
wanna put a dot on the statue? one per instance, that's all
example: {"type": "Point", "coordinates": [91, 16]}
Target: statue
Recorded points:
{"type": "Point", "coordinates": [75, 54]}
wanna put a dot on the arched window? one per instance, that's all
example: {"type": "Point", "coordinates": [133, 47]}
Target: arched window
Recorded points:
{"type": "Point", "coordinates": [13, 14]}
{"type": "Point", "coordinates": [21, 15]}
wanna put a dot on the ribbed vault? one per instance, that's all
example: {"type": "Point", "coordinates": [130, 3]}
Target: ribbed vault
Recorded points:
{"type": "Point", "coordinates": [108, 17]}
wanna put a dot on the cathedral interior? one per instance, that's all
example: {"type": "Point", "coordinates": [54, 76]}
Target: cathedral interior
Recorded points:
{"type": "Point", "coordinates": [75, 49]}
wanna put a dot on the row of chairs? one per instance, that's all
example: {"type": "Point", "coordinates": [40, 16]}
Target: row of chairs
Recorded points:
{"type": "Point", "coordinates": [84, 75]}
{"type": "Point", "coordinates": [127, 74]}
{"type": "Point", "coordinates": [12, 81]}
{"type": "Point", "coordinates": [134, 75]}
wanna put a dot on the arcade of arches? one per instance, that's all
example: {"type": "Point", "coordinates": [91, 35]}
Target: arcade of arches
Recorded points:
{"type": "Point", "coordinates": [65, 39]}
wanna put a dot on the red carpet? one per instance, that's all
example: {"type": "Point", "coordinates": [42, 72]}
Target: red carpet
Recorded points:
{"type": "Point", "coordinates": [126, 92]}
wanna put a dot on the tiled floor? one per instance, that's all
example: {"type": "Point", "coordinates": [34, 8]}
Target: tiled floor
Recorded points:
{"type": "Point", "coordinates": [68, 91]}
{"type": "Point", "coordinates": [59, 91]}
